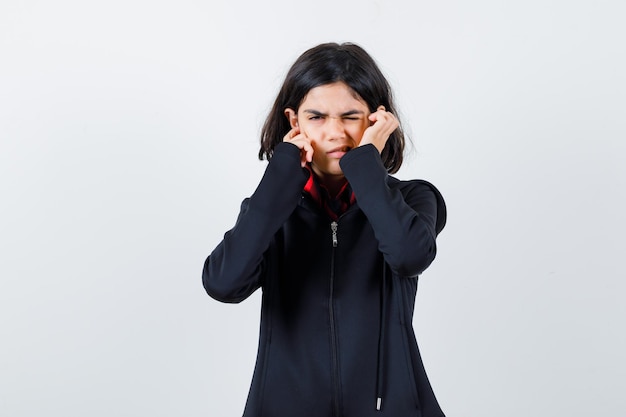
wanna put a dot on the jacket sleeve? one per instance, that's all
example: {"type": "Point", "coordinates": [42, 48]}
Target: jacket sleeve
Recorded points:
{"type": "Point", "coordinates": [405, 223]}
{"type": "Point", "coordinates": [234, 269]}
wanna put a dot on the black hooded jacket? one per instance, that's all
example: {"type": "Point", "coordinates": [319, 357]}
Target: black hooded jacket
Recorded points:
{"type": "Point", "coordinates": [336, 337]}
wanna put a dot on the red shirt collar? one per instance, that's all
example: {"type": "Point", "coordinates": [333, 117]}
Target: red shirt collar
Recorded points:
{"type": "Point", "coordinates": [333, 207]}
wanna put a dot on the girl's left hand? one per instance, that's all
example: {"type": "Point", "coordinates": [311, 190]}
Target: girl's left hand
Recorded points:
{"type": "Point", "coordinates": [383, 125]}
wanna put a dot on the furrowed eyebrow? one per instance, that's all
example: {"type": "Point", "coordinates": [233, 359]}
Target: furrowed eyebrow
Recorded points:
{"type": "Point", "coordinates": [315, 112]}
{"type": "Point", "coordinates": [344, 114]}
{"type": "Point", "coordinates": [352, 113]}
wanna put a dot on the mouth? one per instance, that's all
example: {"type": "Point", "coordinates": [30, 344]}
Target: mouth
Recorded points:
{"type": "Point", "coordinates": [339, 151]}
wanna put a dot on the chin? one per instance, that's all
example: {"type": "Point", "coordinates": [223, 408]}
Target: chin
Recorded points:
{"type": "Point", "coordinates": [335, 169]}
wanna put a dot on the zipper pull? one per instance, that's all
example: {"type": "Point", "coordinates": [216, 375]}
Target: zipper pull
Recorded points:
{"type": "Point", "coordinates": [333, 227]}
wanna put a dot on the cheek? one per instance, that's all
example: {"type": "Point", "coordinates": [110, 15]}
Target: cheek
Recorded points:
{"type": "Point", "coordinates": [356, 132]}
{"type": "Point", "coordinates": [310, 129]}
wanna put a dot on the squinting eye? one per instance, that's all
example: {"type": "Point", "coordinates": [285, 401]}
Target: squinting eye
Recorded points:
{"type": "Point", "coordinates": [315, 117]}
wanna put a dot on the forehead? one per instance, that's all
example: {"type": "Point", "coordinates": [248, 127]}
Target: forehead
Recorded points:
{"type": "Point", "coordinates": [335, 96]}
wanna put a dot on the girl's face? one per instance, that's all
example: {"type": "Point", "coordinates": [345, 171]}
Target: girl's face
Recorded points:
{"type": "Point", "coordinates": [334, 118]}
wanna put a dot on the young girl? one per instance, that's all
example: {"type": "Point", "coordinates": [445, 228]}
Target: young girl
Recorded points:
{"type": "Point", "coordinates": [336, 244]}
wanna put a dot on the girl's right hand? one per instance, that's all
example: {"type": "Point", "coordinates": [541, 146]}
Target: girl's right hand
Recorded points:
{"type": "Point", "coordinates": [301, 141]}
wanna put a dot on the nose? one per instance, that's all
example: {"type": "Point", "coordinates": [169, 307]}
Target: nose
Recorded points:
{"type": "Point", "coordinates": [334, 128]}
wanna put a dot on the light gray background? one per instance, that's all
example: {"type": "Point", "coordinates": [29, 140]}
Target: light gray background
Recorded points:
{"type": "Point", "coordinates": [129, 136]}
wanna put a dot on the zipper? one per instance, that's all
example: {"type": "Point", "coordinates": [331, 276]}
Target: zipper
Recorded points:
{"type": "Point", "coordinates": [333, 330]}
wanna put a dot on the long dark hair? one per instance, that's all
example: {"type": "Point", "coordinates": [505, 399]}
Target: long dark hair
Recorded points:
{"type": "Point", "coordinates": [325, 64]}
